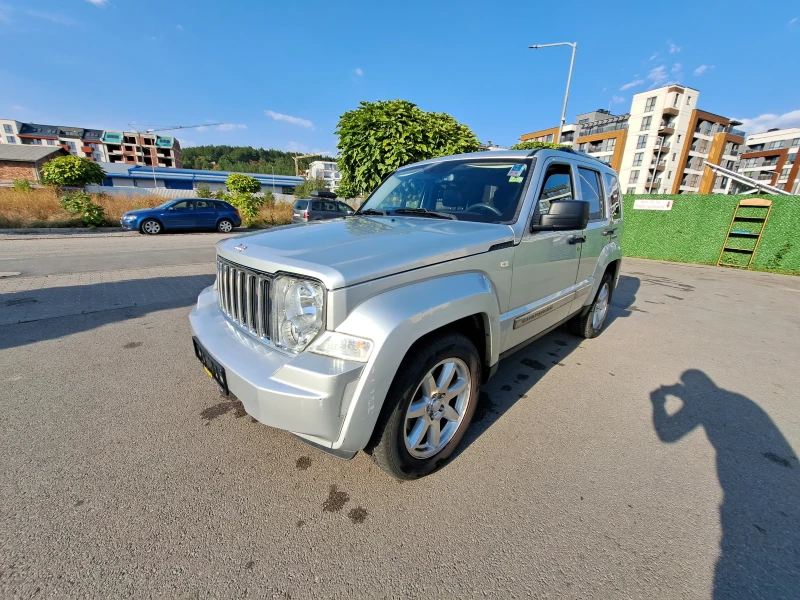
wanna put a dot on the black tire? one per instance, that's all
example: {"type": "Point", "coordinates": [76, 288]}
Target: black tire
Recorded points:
{"type": "Point", "coordinates": [584, 325]}
{"type": "Point", "coordinates": [225, 226]}
{"type": "Point", "coordinates": [388, 445]}
{"type": "Point", "coordinates": [151, 227]}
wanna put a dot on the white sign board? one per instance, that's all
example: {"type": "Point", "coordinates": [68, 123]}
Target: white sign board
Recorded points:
{"type": "Point", "coordinates": [652, 205]}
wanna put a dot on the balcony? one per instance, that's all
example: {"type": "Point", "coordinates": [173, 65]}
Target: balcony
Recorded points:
{"type": "Point", "coordinates": [671, 110]}
{"type": "Point", "coordinates": [658, 165]}
{"type": "Point", "coordinates": [666, 128]}
{"type": "Point", "coordinates": [590, 130]}
{"type": "Point", "coordinates": [86, 149]}
{"type": "Point", "coordinates": [734, 131]}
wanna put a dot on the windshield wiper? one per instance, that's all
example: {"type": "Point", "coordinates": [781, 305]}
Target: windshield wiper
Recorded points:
{"type": "Point", "coordinates": [424, 212]}
{"type": "Point", "coordinates": [372, 211]}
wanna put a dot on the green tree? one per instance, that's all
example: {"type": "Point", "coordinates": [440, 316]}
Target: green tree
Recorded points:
{"type": "Point", "coordinates": [379, 137]}
{"type": "Point", "coordinates": [244, 159]}
{"type": "Point", "coordinates": [80, 203]}
{"type": "Point", "coordinates": [203, 191]}
{"type": "Point", "coordinates": [531, 145]}
{"type": "Point", "coordinates": [242, 184]}
{"type": "Point", "coordinates": [72, 171]}
{"type": "Point", "coordinates": [304, 189]}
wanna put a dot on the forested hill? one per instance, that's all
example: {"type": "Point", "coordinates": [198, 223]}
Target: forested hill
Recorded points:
{"type": "Point", "coordinates": [243, 159]}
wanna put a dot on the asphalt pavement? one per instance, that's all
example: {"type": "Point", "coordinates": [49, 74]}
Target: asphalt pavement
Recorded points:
{"type": "Point", "coordinates": [656, 461]}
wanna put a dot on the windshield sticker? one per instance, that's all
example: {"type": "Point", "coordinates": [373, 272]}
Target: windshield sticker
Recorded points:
{"type": "Point", "coordinates": [516, 170]}
{"type": "Point", "coordinates": [515, 180]}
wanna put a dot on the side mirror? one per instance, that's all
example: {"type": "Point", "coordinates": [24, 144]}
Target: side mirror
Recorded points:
{"type": "Point", "coordinates": [564, 215]}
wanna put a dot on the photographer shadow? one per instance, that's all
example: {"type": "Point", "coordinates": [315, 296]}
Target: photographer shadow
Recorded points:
{"type": "Point", "coordinates": [759, 475]}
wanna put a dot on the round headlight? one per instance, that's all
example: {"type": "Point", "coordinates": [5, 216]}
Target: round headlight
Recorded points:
{"type": "Point", "coordinates": [298, 314]}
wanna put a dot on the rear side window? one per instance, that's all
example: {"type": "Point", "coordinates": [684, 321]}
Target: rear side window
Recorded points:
{"type": "Point", "coordinates": [614, 196]}
{"type": "Point", "coordinates": [316, 205]}
{"type": "Point", "coordinates": [592, 192]}
{"type": "Point", "coordinates": [204, 204]}
{"type": "Point", "coordinates": [330, 206]}
{"type": "Point", "coordinates": [301, 205]}
{"type": "Point", "coordinates": [343, 208]}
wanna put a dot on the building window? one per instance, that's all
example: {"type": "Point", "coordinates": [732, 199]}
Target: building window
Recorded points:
{"type": "Point", "coordinates": [11, 139]}
{"type": "Point", "coordinates": [7, 129]}
{"type": "Point", "coordinates": [703, 147]}
{"type": "Point", "coordinates": [582, 121]}
{"type": "Point", "coordinates": [51, 142]}
{"type": "Point", "coordinates": [679, 138]}
{"type": "Point", "coordinates": [750, 162]}
{"type": "Point", "coordinates": [634, 177]}
{"type": "Point", "coordinates": [637, 159]}
{"type": "Point", "coordinates": [688, 100]}
{"type": "Point", "coordinates": [550, 137]}
{"type": "Point", "coordinates": [789, 159]}
{"type": "Point", "coordinates": [784, 175]}
{"type": "Point", "coordinates": [693, 180]}
{"type": "Point", "coordinates": [646, 123]}
{"type": "Point", "coordinates": [781, 186]}
{"type": "Point", "coordinates": [669, 175]}
{"type": "Point", "coordinates": [71, 146]}
{"type": "Point", "coordinates": [795, 142]}
{"type": "Point", "coordinates": [775, 145]}
{"type": "Point", "coordinates": [611, 144]}
{"type": "Point", "coordinates": [37, 142]}
{"type": "Point", "coordinates": [650, 104]}
{"type": "Point", "coordinates": [582, 147]}
{"type": "Point", "coordinates": [631, 190]}
{"type": "Point", "coordinates": [676, 101]}
{"type": "Point", "coordinates": [642, 141]}
{"type": "Point", "coordinates": [674, 154]}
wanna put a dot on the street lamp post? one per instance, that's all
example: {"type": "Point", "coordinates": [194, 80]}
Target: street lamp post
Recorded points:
{"type": "Point", "coordinates": [574, 46]}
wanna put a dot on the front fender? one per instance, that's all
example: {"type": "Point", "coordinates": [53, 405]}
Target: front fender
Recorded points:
{"type": "Point", "coordinates": [609, 254]}
{"type": "Point", "coordinates": [394, 321]}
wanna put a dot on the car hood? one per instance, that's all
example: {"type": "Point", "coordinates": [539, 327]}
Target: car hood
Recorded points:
{"type": "Point", "coordinates": [140, 211]}
{"type": "Point", "coordinates": [345, 252]}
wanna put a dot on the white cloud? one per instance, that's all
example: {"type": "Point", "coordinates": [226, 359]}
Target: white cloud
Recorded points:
{"type": "Point", "coordinates": [53, 18]}
{"type": "Point", "coordinates": [289, 119]}
{"type": "Point", "coordinates": [702, 69]}
{"type": "Point", "coordinates": [793, 21]}
{"type": "Point", "coordinates": [359, 71]}
{"type": "Point", "coordinates": [676, 68]}
{"type": "Point", "coordinates": [98, 2]}
{"type": "Point", "coordinates": [179, 27]}
{"type": "Point", "coordinates": [762, 123]}
{"type": "Point", "coordinates": [655, 56]}
{"type": "Point", "coordinates": [658, 76]}
{"type": "Point", "coordinates": [633, 83]}
{"type": "Point", "coordinates": [617, 99]}
{"type": "Point", "coordinates": [231, 126]}
{"type": "Point", "coordinates": [18, 107]}
{"type": "Point", "coordinates": [673, 49]}
{"type": "Point", "coordinates": [303, 149]}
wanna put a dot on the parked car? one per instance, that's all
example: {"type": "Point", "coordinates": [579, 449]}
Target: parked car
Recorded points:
{"type": "Point", "coordinates": [320, 206]}
{"type": "Point", "coordinates": [377, 331]}
{"type": "Point", "coordinates": [183, 213]}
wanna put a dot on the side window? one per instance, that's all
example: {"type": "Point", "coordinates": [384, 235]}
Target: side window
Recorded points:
{"type": "Point", "coordinates": [329, 206]}
{"type": "Point", "coordinates": [592, 192]}
{"type": "Point", "coordinates": [316, 205]}
{"type": "Point", "coordinates": [614, 196]}
{"type": "Point", "coordinates": [203, 204]}
{"type": "Point", "coordinates": [183, 205]}
{"type": "Point", "coordinates": [343, 208]}
{"type": "Point", "coordinates": [300, 204]}
{"type": "Point", "coordinates": [557, 186]}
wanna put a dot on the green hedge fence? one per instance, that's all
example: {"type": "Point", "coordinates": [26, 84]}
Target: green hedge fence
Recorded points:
{"type": "Point", "coordinates": [694, 231]}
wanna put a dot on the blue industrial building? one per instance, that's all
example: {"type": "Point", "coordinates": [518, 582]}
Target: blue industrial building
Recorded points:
{"type": "Point", "coordinates": [120, 175]}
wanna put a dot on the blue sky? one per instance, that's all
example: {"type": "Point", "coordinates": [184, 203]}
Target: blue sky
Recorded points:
{"type": "Point", "coordinates": [279, 74]}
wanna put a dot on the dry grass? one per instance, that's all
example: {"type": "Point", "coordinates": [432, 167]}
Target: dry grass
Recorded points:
{"type": "Point", "coordinates": [41, 208]}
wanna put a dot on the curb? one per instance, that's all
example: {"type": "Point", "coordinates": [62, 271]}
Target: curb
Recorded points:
{"type": "Point", "coordinates": [63, 230]}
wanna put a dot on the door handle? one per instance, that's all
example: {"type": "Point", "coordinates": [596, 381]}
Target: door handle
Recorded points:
{"type": "Point", "coordinates": [609, 232]}
{"type": "Point", "coordinates": [576, 239]}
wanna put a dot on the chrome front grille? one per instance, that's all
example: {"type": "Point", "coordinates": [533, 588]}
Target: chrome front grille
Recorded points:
{"type": "Point", "coordinates": [244, 297]}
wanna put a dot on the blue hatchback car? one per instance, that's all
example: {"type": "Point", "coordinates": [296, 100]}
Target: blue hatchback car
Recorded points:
{"type": "Point", "coordinates": [183, 213]}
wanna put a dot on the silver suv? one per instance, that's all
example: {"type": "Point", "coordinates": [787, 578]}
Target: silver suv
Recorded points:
{"type": "Point", "coordinates": [375, 332]}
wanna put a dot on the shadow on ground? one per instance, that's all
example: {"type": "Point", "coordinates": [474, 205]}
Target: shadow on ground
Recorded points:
{"type": "Point", "coordinates": [37, 315]}
{"type": "Point", "coordinates": [518, 374]}
{"type": "Point", "coordinates": [758, 472]}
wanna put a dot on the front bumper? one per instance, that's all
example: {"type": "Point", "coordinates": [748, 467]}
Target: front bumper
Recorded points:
{"type": "Point", "coordinates": [307, 394]}
{"type": "Point", "coordinates": [129, 225]}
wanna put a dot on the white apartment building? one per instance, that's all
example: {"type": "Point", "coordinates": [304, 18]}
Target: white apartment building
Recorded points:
{"type": "Point", "coordinates": [327, 170]}
{"type": "Point", "coordinates": [771, 157]}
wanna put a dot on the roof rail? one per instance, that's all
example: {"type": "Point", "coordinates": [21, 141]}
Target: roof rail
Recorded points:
{"type": "Point", "coordinates": [581, 154]}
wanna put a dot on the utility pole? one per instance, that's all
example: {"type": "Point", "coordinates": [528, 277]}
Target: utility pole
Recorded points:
{"type": "Point", "coordinates": [574, 46]}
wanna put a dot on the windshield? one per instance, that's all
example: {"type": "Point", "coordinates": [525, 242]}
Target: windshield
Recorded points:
{"type": "Point", "coordinates": [484, 190]}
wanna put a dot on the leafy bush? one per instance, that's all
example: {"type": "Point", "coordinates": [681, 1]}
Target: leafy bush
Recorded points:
{"type": "Point", "coordinates": [72, 171]}
{"type": "Point", "coordinates": [203, 191]}
{"type": "Point", "coordinates": [219, 195]}
{"type": "Point", "coordinates": [533, 145]}
{"type": "Point", "coordinates": [22, 185]}
{"type": "Point", "coordinates": [309, 185]}
{"type": "Point", "coordinates": [378, 137]}
{"type": "Point", "coordinates": [247, 204]}
{"type": "Point", "coordinates": [92, 215]}
{"type": "Point", "coordinates": [242, 184]}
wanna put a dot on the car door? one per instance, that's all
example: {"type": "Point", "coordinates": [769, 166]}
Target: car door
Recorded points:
{"type": "Point", "coordinates": [590, 186]}
{"type": "Point", "coordinates": [205, 213]}
{"type": "Point", "coordinates": [179, 215]}
{"type": "Point", "coordinates": [330, 209]}
{"type": "Point", "coordinates": [545, 263]}
{"type": "Point", "coordinates": [315, 214]}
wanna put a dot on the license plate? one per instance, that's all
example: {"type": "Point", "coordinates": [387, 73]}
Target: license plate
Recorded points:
{"type": "Point", "coordinates": [212, 368]}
